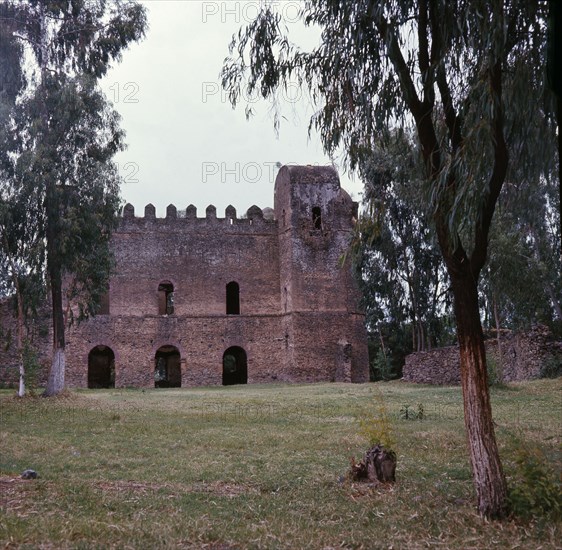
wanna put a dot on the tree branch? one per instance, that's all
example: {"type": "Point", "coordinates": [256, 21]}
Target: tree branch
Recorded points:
{"type": "Point", "coordinates": [420, 111]}
{"type": "Point", "coordinates": [423, 51]}
{"type": "Point", "coordinates": [24, 38]}
{"type": "Point", "coordinates": [437, 49]}
{"type": "Point", "coordinates": [395, 55]}
{"type": "Point", "coordinates": [497, 178]}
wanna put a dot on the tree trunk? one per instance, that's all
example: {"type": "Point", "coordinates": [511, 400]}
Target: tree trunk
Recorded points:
{"type": "Point", "coordinates": [19, 344]}
{"type": "Point", "coordinates": [554, 300]}
{"type": "Point", "coordinates": [499, 373]}
{"type": "Point", "coordinates": [20, 316]}
{"type": "Point", "coordinates": [19, 332]}
{"type": "Point", "coordinates": [489, 480]}
{"type": "Point", "coordinates": [55, 383]}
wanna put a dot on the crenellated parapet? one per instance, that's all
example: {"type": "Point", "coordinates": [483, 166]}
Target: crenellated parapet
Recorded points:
{"type": "Point", "coordinates": [254, 216]}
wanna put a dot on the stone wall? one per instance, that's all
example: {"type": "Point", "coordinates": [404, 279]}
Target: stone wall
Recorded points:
{"type": "Point", "coordinates": [522, 357]}
{"type": "Point", "coordinates": [298, 318]}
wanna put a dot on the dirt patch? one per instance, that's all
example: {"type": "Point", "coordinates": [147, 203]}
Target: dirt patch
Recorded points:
{"type": "Point", "coordinates": [14, 494]}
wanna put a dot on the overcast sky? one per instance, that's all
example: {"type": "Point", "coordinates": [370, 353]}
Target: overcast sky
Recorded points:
{"type": "Point", "coordinates": [186, 145]}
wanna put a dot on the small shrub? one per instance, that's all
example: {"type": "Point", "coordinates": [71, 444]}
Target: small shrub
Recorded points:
{"type": "Point", "coordinates": [492, 367]}
{"type": "Point", "coordinates": [6, 339]}
{"type": "Point", "coordinates": [407, 412]}
{"type": "Point", "coordinates": [537, 492]}
{"type": "Point", "coordinates": [551, 366]}
{"type": "Point", "coordinates": [379, 462]}
{"type": "Point", "coordinates": [31, 365]}
{"type": "Point", "coordinates": [375, 427]}
{"type": "Point", "coordinates": [381, 367]}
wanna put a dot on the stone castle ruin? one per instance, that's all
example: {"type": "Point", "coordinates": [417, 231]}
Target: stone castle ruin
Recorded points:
{"type": "Point", "coordinates": [207, 301]}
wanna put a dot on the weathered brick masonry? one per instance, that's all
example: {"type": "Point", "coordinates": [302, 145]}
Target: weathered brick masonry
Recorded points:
{"type": "Point", "coordinates": [212, 300]}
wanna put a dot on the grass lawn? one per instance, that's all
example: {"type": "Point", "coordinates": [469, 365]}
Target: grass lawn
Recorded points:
{"type": "Point", "coordinates": [259, 467]}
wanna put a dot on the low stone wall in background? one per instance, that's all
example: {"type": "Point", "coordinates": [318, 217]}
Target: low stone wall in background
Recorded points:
{"type": "Point", "coordinates": [523, 357]}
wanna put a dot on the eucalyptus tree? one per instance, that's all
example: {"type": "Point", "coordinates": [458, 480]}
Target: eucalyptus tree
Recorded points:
{"type": "Point", "coordinates": [401, 271]}
{"type": "Point", "coordinates": [522, 283]}
{"type": "Point", "coordinates": [470, 75]}
{"type": "Point", "coordinates": [63, 135]}
{"type": "Point", "coordinates": [12, 81]}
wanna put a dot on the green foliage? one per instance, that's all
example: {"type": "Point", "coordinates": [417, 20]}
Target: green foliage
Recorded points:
{"type": "Point", "coordinates": [11, 68]}
{"type": "Point", "coordinates": [470, 76]}
{"type": "Point", "coordinates": [464, 72]}
{"type": "Point", "coordinates": [523, 279]}
{"type": "Point", "coordinates": [32, 366]}
{"type": "Point", "coordinates": [395, 252]}
{"type": "Point", "coordinates": [382, 368]}
{"type": "Point", "coordinates": [81, 197]}
{"type": "Point", "coordinates": [375, 426]}
{"type": "Point", "coordinates": [492, 366]}
{"type": "Point", "coordinates": [408, 413]}
{"type": "Point", "coordinates": [536, 490]}
{"type": "Point", "coordinates": [6, 338]}
{"type": "Point", "coordinates": [60, 187]}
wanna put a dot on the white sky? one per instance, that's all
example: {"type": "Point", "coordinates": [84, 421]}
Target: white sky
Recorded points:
{"type": "Point", "coordinates": [185, 142]}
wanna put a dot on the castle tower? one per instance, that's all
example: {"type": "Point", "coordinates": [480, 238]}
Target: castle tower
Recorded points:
{"type": "Point", "coordinates": [324, 329]}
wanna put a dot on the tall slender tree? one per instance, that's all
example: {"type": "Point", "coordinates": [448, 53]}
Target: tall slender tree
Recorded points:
{"type": "Point", "coordinates": [470, 75]}
{"type": "Point", "coordinates": [63, 136]}
{"type": "Point", "coordinates": [395, 248]}
{"type": "Point", "coordinates": [12, 81]}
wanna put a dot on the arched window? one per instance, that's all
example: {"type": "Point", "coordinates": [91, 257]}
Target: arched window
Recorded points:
{"type": "Point", "coordinates": [233, 298]}
{"type": "Point", "coordinates": [166, 298]}
{"type": "Point", "coordinates": [234, 366]}
{"type": "Point", "coordinates": [101, 367]}
{"type": "Point", "coordinates": [167, 368]}
{"type": "Point", "coordinates": [316, 217]}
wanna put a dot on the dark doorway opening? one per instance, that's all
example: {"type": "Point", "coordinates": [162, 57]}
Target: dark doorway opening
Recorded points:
{"type": "Point", "coordinates": [101, 368]}
{"type": "Point", "coordinates": [233, 298]}
{"type": "Point", "coordinates": [234, 367]}
{"type": "Point", "coordinates": [167, 368]}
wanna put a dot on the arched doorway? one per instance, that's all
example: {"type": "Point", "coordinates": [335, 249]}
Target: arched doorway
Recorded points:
{"type": "Point", "coordinates": [234, 367]}
{"type": "Point", "coordinates": [167, 368]}
{"type": "Point", "coordinates": [101, 367]}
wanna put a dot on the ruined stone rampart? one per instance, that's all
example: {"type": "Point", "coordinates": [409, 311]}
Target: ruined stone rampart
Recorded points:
{"type": "Point", "coordinates": [523, 357]}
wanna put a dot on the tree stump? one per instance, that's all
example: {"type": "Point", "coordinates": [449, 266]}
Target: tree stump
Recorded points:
{"type": "Point", "coordinates": [378, 465]}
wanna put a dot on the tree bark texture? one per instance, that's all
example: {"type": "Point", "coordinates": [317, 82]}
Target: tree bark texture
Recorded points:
{"type": "Point", "coordinates": [20, 317]}
{"type": "Point", "coordinates": [489, 479]}
{"type": "Point", "coordinates": [55, 383]}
